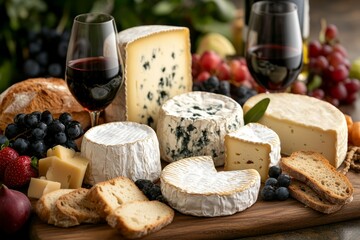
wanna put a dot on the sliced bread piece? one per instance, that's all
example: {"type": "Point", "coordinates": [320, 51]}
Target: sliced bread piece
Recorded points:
{"type": "Point", "coordinates": [140, 218]}
{"type": "Point", "coordinates": [109, 195]}
{"type": "Point", "coordinates": [314, 170]}
{"type": "Point", "coordinates": [44, 207]}
{"type": "Point", "coordinates": [304, 194]}
{"type": "Point", "coordinates": [74, 208]}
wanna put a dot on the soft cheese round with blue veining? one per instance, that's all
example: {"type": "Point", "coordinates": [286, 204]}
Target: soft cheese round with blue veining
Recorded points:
{"type": "Point", "coordinates": [121, 149]}
{"type": "Point", "coordinates": [193, 186]}
{"type": "Point", "coordinates": [195, 124]}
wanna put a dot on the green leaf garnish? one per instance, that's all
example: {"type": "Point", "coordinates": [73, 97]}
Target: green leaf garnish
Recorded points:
{"type": "Point", "coordinates": [257, 111]}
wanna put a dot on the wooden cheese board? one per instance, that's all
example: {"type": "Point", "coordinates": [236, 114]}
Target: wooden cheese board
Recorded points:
{"type": "Point", "coordinates": [262, 218]}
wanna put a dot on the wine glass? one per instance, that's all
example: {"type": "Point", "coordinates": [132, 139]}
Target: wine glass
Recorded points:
{"type": "Point", "coordinates": [274, 44]}
{"type": "Point", "coordinates": [94, 69]}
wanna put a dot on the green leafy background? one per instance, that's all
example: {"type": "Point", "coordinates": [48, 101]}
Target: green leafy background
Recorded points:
{"type": "Point", "coordinates": [19, 17]}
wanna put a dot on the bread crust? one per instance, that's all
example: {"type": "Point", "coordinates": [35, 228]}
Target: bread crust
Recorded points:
{"type": "Point", "coordinates": [40, 94]}
{"type": "Point", "coordinates": [304, 194]}
{"type": "Point", "coordinates": [297, 166]}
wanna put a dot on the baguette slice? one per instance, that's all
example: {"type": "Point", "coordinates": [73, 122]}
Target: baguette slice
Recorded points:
{"type": "Point", "coordinates": [74, 208]}
{"type": "Point", "coordinates": [315, 171]}
{"type": "Point", "coordinates": [140, 218]}
{"type": "Point", "coordinates": [307, 196]}
{"type": "Point", "coordinates": [45, 206]}
{"type": "Point", "coordinates": [109, 195]}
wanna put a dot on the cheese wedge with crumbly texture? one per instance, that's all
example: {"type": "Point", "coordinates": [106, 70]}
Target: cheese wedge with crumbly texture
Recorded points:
{"type": "Point", "coordinates": [305, 123]}
{"type": "Point", "coordinates": [157, 66]}
{"type": "Point", "coordinates": [316, 172]}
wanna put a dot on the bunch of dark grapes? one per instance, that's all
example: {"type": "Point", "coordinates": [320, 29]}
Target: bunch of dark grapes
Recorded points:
{"type": "Point", "coordinates": [46, 54]}
{"type": "Point", "coordinates": [151, 190]}
{"type": "Point", "coordinates": [276, 186]}
{"type": "Point", "coordinates": [34, 133]}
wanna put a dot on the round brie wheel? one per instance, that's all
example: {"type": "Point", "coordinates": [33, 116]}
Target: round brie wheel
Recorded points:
{"type": "Point", "coordinates": [193, 186]}
{"type": "Point", "coordinates": [121, 149]}
{"type": "Point", "coordinates": [195, 124]}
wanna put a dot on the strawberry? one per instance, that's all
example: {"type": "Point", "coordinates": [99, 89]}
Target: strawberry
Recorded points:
{"type": "Point", "coordinates": [7, 155]}
{"type": "Point", "coordinates": [19, 172]}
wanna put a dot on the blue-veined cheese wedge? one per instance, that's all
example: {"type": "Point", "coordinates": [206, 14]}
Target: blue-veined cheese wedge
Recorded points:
{"type": "Point", "coordinates": [305, 123]}
{"type": "Point", "coordinates": [157, 61]}
{"type": "Point", "coordinates": [195, 124]}
{"type": "Point", "coordinates": [193, 186]}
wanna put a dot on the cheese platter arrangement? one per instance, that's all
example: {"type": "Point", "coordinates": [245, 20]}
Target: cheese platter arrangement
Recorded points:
{"type": "Point", "coordinates": [169, 162]}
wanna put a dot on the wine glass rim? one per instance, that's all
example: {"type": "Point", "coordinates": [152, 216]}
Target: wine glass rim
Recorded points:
{"type": "Point", "coordinates": [81, 18]}
{"type": "Point", "coordinates": [292, 7]}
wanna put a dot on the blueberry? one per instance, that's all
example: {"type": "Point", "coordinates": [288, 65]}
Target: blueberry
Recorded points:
{"type": "Point", "coordinates": [65, 118]}
{"type": "Point", "coordinates": [55, 127]}
{"type": "Point", "coordinates": [271, 182]}
{"type": "Point", "coordinates": [42, 126]}
{"type": "Point", "coordinates": [197, 86]}
{"type": "Point", "coordinates": [274, 171]}
{"type": "Point", "coordinates": [19, 119]}
{"type": "Point", "coordinates": [224, 88]}
{"type": "Point", "coordinates": [31, 120]}
{"type": "Point", "coordinates": [284, 180]}
{"type": "Point", "coordinates": [74, 130]}
{"type": "Point", "coordinates": [46, 117]}
{"type": "Point", "coordinates": [55, 70]}
{"type": "Point", "coordinates": [71, 144]}
{"type": "Point", "coordinates": [35, 46]}
{"type": "Point", "coordinates": [143, 183]}
{"type": "Point", "coordinates": [153, 192]}
{"type": "Point", "coordinates": [211, 84]}
{"type": "Point", "coordinates": [3, 139]}
{"type": "Point", "coordinates": [12, 130]}
{"type": "Point", "coordinates": [37, 134]}
{"type": "Point", "coordinates": [268, 193]}
{"type": "Point", "coordinates": [62, 48]}
{"type": "Point", "coordinates": [21, 145]}
{"type": "Point", "coordinates": [42, 58]}
{"type": "Point", "coordinates": [38, 148]}
{"type": "Point", "coordinates": [31, 68]}
{"type": "Point", "coordinates": [282, 193]}
{"type": "Point", "coordinates": [60, 138]}
{"type": "Point", "coordinates": [241, 91]}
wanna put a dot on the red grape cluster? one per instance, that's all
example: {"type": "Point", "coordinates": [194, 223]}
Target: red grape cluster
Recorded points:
{"type": "Point", "coordinates": [230, 77]}
{"type": "Point", "coordinates": [329, 71]}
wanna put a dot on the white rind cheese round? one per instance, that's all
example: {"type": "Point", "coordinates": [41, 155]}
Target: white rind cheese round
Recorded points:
{"type": "Point", "coordinates": [253, 146]}
{"type": "Point", "coordinates": [121, 149]}
{"type": "Point", "coordinates": [195, 124]}
{"type": "Point", "coordinates": [193, 186]}
{"type": "Point", "coordinates": [305, 123]}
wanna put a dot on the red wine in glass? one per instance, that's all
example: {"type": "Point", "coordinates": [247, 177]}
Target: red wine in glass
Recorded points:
{"type": "Point", "coordinates": [94, 81]}
{"type": "Point", "coordinates": [274, 66]}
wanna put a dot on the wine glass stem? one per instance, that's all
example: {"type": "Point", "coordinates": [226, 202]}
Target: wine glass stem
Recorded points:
{"type": "Point", "coordinates": [94, 117]}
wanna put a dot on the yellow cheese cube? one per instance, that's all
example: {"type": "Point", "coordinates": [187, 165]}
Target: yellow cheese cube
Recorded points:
{"type": "Point", "coordinates": [69, 173]}
{"type": "Point", "coordinates": [61, 152]}
{"type": "Point", "coordinates": [39, 187]}
{"type": "Point", "coordinates": [45, 163]}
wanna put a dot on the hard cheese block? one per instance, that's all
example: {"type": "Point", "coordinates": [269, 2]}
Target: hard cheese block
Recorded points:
{"type": "Point", "coordinates": [157, 62]}
{"type": "Point", "coordinates": [253, 146]}
{"type": "Point", "coordinates": [40, 186]}
{"type": "Point", "coordinates": [193, 186]}
{"type": "Point", "coordinates": [195, 124]}
{"type": "Point", "coordinates": [305, 123]}
{"type": "Point", "coordinates": [125, 149]}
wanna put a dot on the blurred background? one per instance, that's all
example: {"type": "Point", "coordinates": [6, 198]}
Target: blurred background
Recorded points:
{"type": "Point", "coordinates": [34, 33]}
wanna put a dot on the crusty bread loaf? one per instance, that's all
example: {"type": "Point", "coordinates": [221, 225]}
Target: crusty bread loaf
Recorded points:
{"type": "Point", "coordinates": [110, 194]}
{"type": "Point", "coordinates": [307, 196]}
{"type": "Point", "coordinates": [40, 94]}
{"type": "Point", "coordinates": [315, 171]}
{"type": "Point", "coordinates": [140, 218]}
{"type": "Point", "coordinates": [74, 208]}
{"type": "Point", "coordinates": [45, 206]}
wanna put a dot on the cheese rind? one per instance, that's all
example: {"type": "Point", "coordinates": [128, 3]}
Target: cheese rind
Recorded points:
{"type": "Point", "coordinates": [253, 146]}
{"type": "Point", "coordinates": [195, 124]}
{"type": "Point", "coordinates": [193, 186]}
{"type": "Point", "coordinates": [305, 123]}
{"type": "Point", "coordinates": [157, 66]}
{"type": "Point", "coordinates": [121, 149]}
